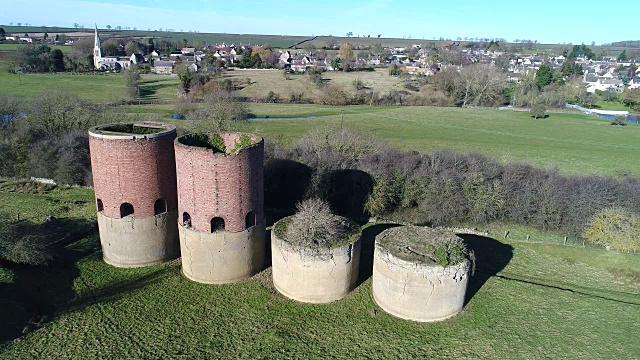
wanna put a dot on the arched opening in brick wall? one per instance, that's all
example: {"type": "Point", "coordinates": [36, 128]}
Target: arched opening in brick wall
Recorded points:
{"type": "Point", "coordinates": [217, 224]}
{"type": "Point", "coordinates": [186, 219]}
{"type": "Point", "coordinates": [126, 209]}
{"type": "Point", "coordinates": [99, 205]}
{"type": "Point", "coordinates": [160, 207]}
{"type": "Point", "coordinates": [250, 219]}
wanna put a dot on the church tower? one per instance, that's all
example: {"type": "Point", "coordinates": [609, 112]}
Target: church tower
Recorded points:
{"type": "Point", "coordinates": [97, 51]}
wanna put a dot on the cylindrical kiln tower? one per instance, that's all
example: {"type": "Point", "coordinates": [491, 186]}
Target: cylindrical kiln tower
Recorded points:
{"type": "Point", "coordinates": [134, 180]}
{"type": "Point", "coordinates": [319, 274]}
{"type": "Point", "coordinates": [221, 206]}
{"type": "Point", "coordinates": [420, 273]}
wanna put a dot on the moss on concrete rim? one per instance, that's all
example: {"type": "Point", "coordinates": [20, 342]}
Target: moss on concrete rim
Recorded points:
{"type": "Point", "coordinates": [215, 142]}
{"type": "Point", "coordinates": [352, 235]}
{"type": "Point", "coordinates": [423, 245]}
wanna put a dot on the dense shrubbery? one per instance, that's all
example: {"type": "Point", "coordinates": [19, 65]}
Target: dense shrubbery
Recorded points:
{"type": "Point", "coordinates": [48, 137]}
{"type": "Point", "coordinates": [446, 187]}
{"type": "Point", "coordinates": [615, 228]}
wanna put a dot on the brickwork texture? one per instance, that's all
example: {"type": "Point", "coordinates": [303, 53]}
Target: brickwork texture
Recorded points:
{"type": "Point", "coordinates": [213, 184]}
{"type": "Point", "coordinates": [135, 171]}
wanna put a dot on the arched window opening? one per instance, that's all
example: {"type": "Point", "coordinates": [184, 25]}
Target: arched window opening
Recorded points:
{"type": "Point", "coordinates": [186, 219]}
{"type": "Point", "coordinates": [217, 224]}
{"type": "Point", "coordinates": [250, 220]}
{"type": "Point", "coordinates": [99, 205]}
{"type": "Point", "coordinates": [126, 209]}
{"type": "Point", "coordinates": [159, 207]}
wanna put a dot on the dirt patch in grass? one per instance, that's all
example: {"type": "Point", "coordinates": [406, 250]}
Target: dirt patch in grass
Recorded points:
{"type": "Point", "coordinates": [630, 276]}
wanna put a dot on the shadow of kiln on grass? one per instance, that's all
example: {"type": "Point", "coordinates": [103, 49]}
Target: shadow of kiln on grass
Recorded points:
{"type": "Point", "coordinates": [491, 257]}
{"type": "Point", "coordinates": [37, 294]}
{"type": "Point", "coordinates": [367, 249]}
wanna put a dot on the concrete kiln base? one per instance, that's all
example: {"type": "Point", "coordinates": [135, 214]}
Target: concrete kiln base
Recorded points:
{"type": "Point", "coordinates": [222, 257]}
{"type": "Point", "coordinates": [418, 292]}
{"type": "Point", "coordinates": [137, 242]}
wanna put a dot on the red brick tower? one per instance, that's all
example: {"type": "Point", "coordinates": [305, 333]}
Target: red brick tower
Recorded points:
{"type": "Point", "coordinates": [134, 181]}
{"type": "Point", "coordinates": [220, 206]}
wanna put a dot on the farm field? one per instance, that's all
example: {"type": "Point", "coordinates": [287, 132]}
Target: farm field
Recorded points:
{"type": "Point", "coordinates": [526, 301]}
{"type": "Point", "coordinates": [14, 47]}
{"type": "Point", "coordinates": [103, 88]}
{"type": "Point", "coordinates": [263, 81]}
{"type": "Point", "coordinates": [575, 143]}
{"type": "Point", "coordinates": [277, 41]}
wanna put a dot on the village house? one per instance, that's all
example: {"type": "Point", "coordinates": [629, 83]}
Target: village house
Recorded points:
{"type": "Point", "coordinates": [162, 66]}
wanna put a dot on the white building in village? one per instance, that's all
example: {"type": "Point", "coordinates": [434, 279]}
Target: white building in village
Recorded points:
{"type": "Point", "coordinates": [111, 62]}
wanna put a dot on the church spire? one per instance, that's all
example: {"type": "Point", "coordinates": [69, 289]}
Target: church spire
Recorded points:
{"type": "Point", "coordinates": [97, 51]}
{"type": "Point", "coordinates": [96, 42]}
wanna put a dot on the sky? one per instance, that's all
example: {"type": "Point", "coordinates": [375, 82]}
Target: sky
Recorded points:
{"type": "Point", "coordinates": [556, 21]}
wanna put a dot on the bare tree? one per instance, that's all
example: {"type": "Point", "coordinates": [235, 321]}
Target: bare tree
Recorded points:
{"type": "Point", "coordinates": [481, 84]}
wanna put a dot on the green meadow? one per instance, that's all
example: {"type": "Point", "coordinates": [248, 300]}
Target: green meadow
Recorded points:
{"type": "Point", "coordinates": [526, 300]}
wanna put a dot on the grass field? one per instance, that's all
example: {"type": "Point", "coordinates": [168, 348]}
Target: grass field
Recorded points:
{"type": "Point", "coordinates": [273, 80]}
{"type": "Point", "coordinates": [575, 143]}
{"type": "Point", "coordinates": [14, 47]}
{"type": "Point", "coordinates": [613, 105]}
{"type": "Point", "coordinates": [96, 88]}
{"type": "Point", "coordinates": [104, 88]}
{"type": "Point", "coordinates": [526, 301]}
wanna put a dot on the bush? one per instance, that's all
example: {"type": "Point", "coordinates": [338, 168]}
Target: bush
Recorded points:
{"type": "Point", "coordinates": [386, 194]}
{"type": "Point", "coordinates": [619, 121]}
{"type": "Point", "coordinates": [615, 228]}
{"type": "Point", "coordinates": [334, 95]}
{"type": "Point", "coordinates": [272, 97]}
{"type": "Point", "coordinates": [316, 77]}
{"type": "Point", "coordinates": [296, 98]}
{"type": "Point", "coordinates": [314, 226]}
{"type": "Point", "coordinates": [484, 198]}
{"type": "Point", "coordinates": [220, 111]}
{"type": "Point", "coordinates": [445, 187]}
{"type": "Point", "coordinates": [538, 111]}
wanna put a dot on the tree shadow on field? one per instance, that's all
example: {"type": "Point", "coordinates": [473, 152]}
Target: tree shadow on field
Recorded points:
{"type": "Point", "coordinates": [367, 249]}
{"type": "Point", "coordinates": [491, 257]}
{"type": "Point", "coordinates": [148, 92]}
{"type": "Point", "coordinates": [37, 294]}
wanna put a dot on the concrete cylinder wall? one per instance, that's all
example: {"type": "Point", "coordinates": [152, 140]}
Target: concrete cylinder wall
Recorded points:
{"type": "Point", "coordinates": [221, 185]}
{"type": "Point", "coordinates": [139, 170]}
{"type": "Point", "coordinates": [222, 257]}
{"type": "Point", "coordinates": [314, 278]}
{"type": "Point", "coordinates": [417, 291]}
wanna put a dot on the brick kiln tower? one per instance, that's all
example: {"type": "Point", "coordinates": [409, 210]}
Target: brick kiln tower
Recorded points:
{"type": "Point", "coordinates": [221, 206]}
{"type": "Point", "coordinates": [134, 179]}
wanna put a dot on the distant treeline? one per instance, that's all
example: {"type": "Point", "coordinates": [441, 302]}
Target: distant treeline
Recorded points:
{"type": "Point", "coordinates": [627, 43]}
